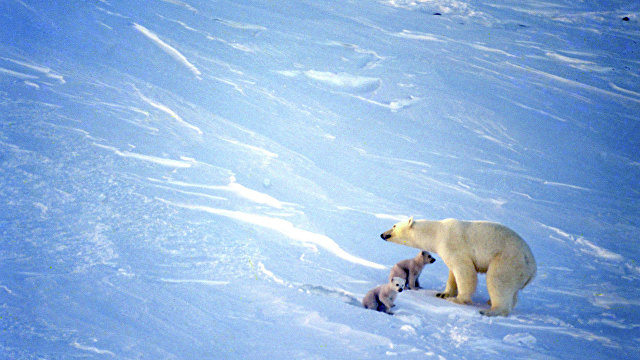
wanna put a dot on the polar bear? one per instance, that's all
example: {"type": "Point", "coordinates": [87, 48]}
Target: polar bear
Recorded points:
{"type": "Point", "coordinates": [468, 248]}
{"type": "Point", "coordinates": [381, 297]}
{"type": "Point", "coordinates": [410, 269]}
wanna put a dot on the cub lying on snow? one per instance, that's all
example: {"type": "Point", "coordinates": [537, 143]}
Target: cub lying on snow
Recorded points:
{"type": "Point", "coordinates": [410, 269]}
{"type": "Point", "coordinates": [381, 297]}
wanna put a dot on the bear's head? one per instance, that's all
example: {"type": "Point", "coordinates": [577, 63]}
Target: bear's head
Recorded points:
{"type": "Point", "coordinates": [398, 283]}
{"type": "Point", "coordinates": [427, 258]}
{"type": "Point", "coordinates": [400, 233]}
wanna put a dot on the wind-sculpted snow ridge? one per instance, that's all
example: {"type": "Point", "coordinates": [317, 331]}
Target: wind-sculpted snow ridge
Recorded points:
{"type": "Point", "coordinates": [621, 96]}
{"type": "Point", "coordinates": [238, 189]}
{"type": "Point", "coordinates": [393, 105]}
{"type": "Point", "coordinates": [284, 227]}
{"type": "Point", "coordinates": [357, 87]}
{"type": "Point", "coordinates": [170, 50]}
{"type": "Point", "coordinates": [340, 81]}
{"type": "Point", "coordinates": [148, 158]}
{"type": "Point", "coordinates": [182, 4]}
{"type": "Point", "coordinates": [31, 74]}
{"type": "Point", "coordinates": [169, 112]}
{"type": "Point", "coordinates": [92, 349]}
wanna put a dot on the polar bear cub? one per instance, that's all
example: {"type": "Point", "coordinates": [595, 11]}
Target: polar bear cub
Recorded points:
{"type": "Point", "coordinates": [410, 269]}
{"type": "Point", "coordinates": [381, 297]}
{"type": "Point", "coordinates": [469, 248]}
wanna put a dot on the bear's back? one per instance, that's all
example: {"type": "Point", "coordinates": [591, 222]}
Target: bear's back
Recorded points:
{"type": "Point", "coordinates": [486, 239]}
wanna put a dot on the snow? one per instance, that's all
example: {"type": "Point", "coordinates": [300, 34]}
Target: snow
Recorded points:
{"type": "Point", "coordinates": [169, 112]}
{"type": "Point", "coordinates": [173, 53]}
{"type": "Point", "coordinates": [188, 179]}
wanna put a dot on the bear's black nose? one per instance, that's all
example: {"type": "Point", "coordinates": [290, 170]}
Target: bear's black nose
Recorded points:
{"type": "Point", "coordinates": [400, 290]}
{"type": "Point", "coordinates": [382, 236]}
{"type": "Point", "coordinates": [433, 260]}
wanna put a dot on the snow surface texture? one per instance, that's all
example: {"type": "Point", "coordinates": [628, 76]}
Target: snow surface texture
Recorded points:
{"type": "Point", "coordinates": [191, 179]}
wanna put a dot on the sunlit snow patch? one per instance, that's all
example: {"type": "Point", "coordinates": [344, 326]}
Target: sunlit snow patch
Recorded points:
{"type": "Point", "coordinates": [168, 49]}
{"type": "Point", "coordinates": [284, 227]}
{"type": "Point", "coordinates": [345, 81]}
{"type": "Point", "coordinates": [237, 189]}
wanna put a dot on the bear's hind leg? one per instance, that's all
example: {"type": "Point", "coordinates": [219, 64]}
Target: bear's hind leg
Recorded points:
{"type": "Point", "coordinates": [502, 291]}
{"type": "Point", "coordinates": [498, 307]}
{"type": "Point", "coordinates": [397, 271]}
{"type": "Point", "coordinates": [411, 281]}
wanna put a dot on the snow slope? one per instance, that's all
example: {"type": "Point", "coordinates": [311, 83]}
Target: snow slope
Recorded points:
{"type": "Point", "coordinates": [191, 179]}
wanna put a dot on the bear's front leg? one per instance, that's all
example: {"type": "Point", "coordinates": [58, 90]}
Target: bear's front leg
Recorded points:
{"type": "Point", "coordinates": [412, 283]}
{"type": "Point", "coordinates": [417, 284]}
{"type": "Point", "coordinates": [389, 304]}
{"type": "Point", "coordinates": [381, 307]}
{"type": "Point", "coordinates": [466, 280]}
{"type": "Point", "coordinates": [451, 290]}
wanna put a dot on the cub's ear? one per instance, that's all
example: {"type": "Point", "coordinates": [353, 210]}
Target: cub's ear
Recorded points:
{"type": "Point", "coordinates": [411, 221]}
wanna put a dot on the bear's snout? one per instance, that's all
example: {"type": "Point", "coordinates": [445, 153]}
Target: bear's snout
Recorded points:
{"type": "Point", "coordinates": [385, 236]}
{"type": "Point", "coordinates": [400, 290]}
{"type": "Point", "coordinates": [432, 261]}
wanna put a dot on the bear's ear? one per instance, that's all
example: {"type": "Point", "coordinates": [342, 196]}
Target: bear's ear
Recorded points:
{"type": "Point", "coordinates": [411, 221]}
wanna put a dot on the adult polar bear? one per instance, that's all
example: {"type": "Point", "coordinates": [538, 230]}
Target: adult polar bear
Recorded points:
{"type": "Point", "coordinates": [469, 248]}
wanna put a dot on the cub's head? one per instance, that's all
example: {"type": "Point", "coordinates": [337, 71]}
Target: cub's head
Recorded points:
{"type": "Point", "coordinates": [398, 283]}
{"type": "Point", "coordinates": [426, 257]}
{"type": "Point", "coordinates": [400, 233]}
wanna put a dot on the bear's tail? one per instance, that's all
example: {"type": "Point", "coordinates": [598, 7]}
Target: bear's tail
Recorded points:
{"type": "Point", "coordinates": [530, 261]}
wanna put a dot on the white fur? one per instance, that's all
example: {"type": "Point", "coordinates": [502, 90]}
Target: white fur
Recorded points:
{"type": "Point", "coordinates": [384, 295]}
{"type": "Point", "coordinates": [410, 269]}
{"type": "Point", "coordinates": [468, 248]}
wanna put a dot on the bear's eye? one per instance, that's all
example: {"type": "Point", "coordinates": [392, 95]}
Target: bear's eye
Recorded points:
{"type": "Point", "coordinates": [393, 227]}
